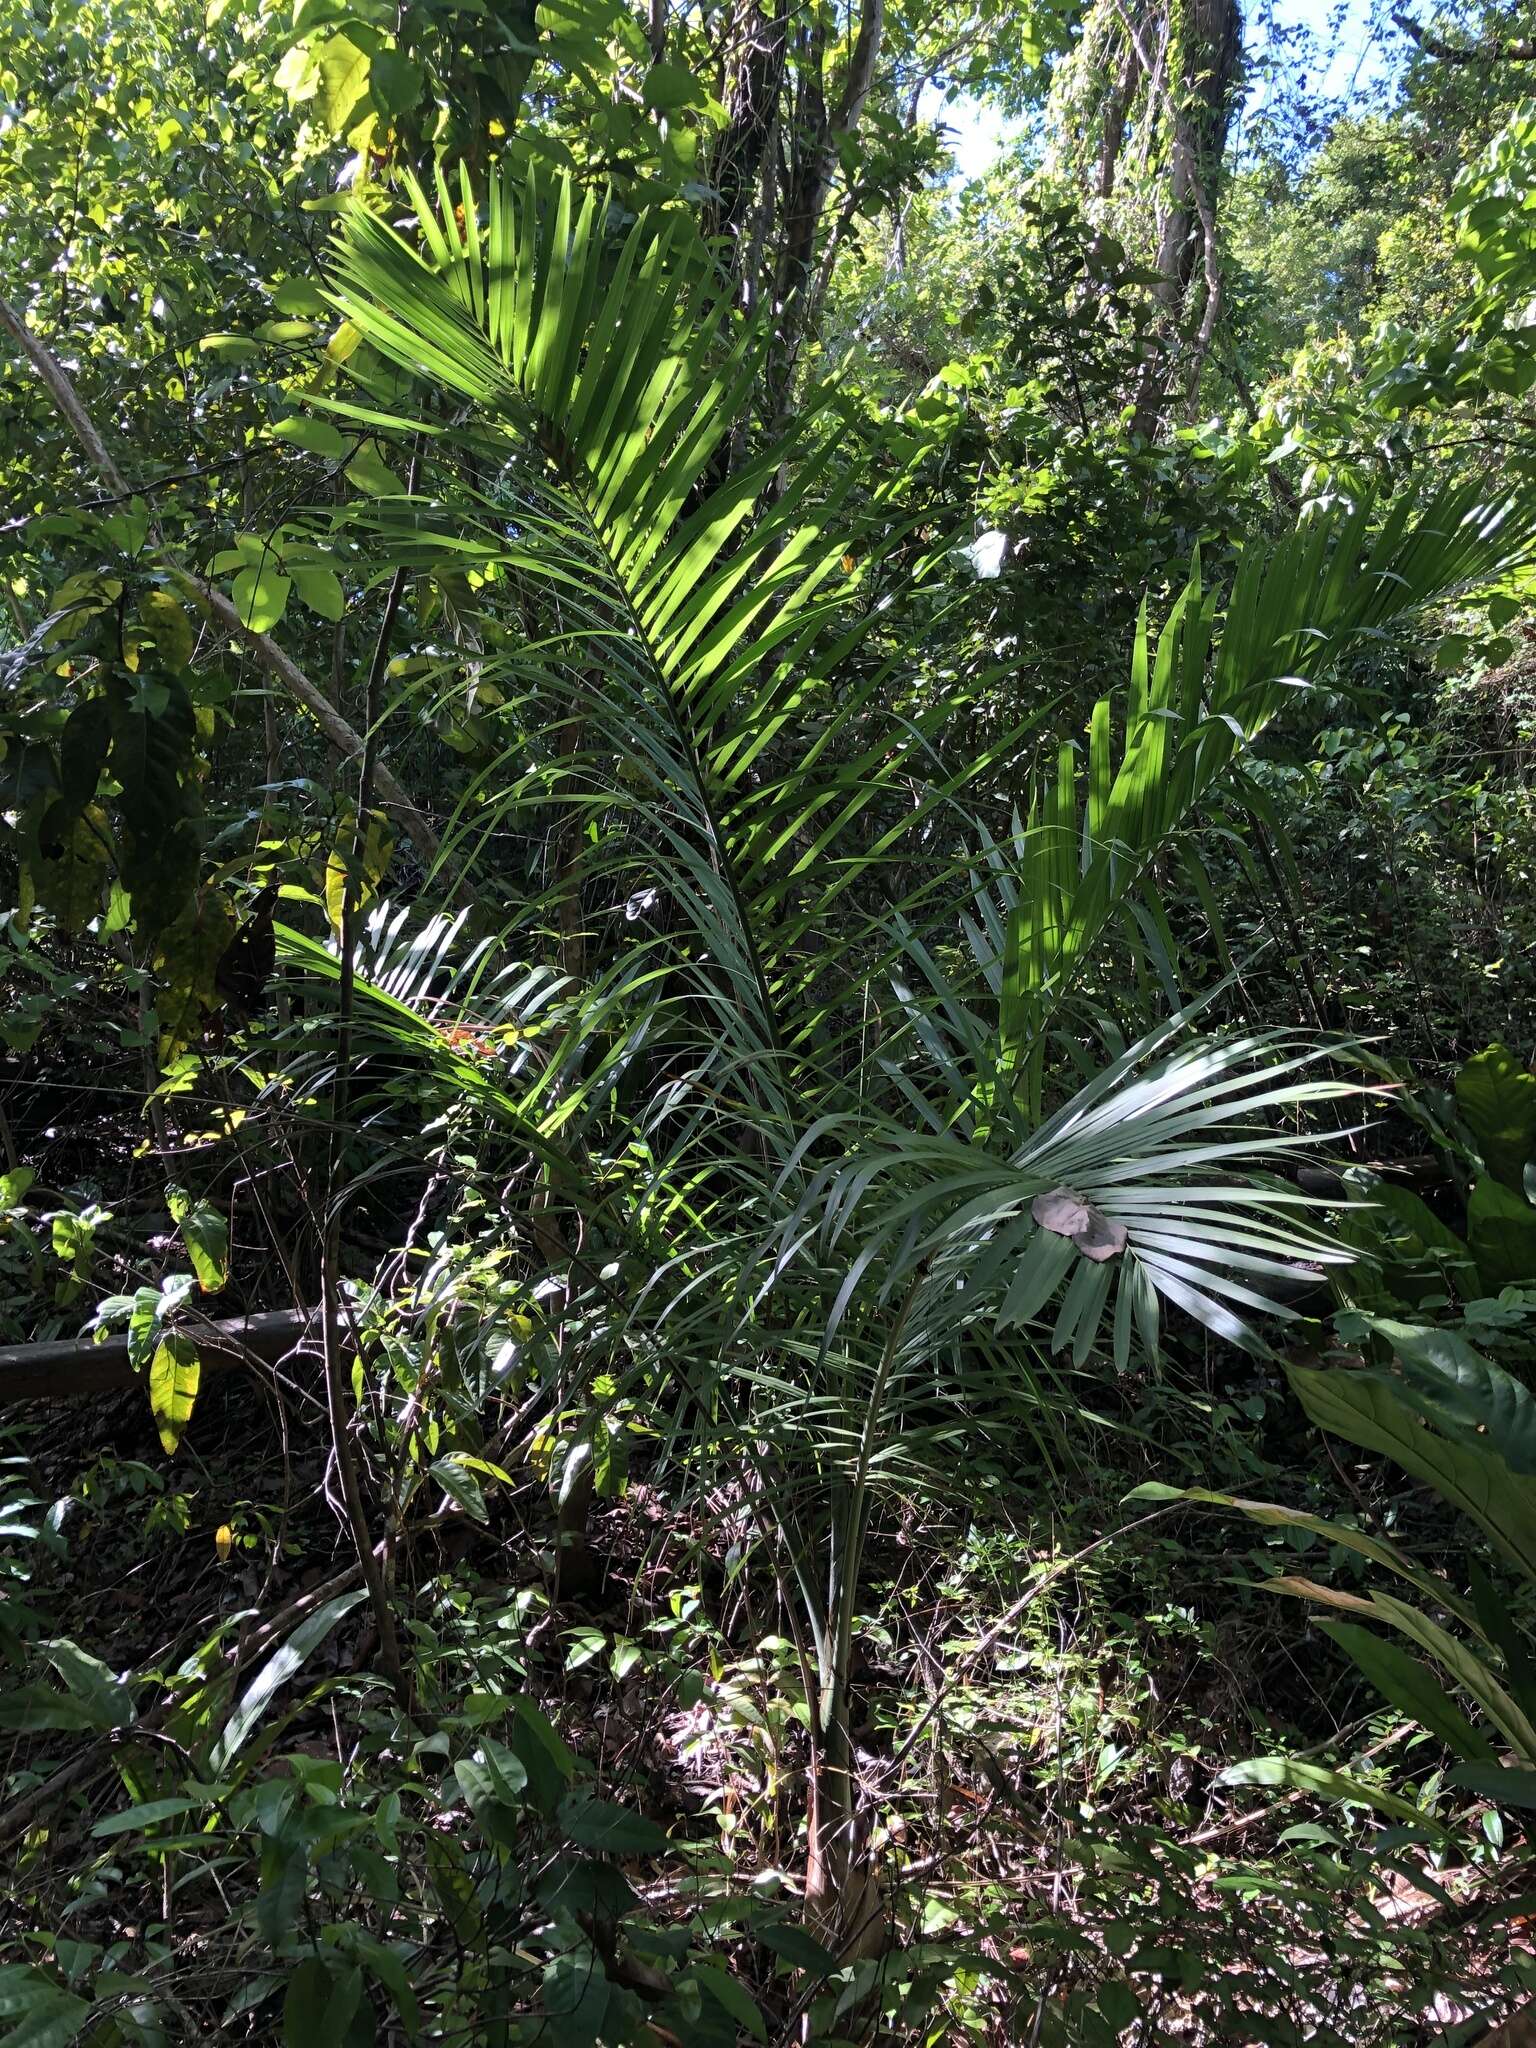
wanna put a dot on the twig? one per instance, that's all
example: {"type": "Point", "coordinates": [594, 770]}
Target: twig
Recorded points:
{"type": "Point", "coordinates": [1011, 1615]}
{"type": "Point", "coordinates": [1521, 50]}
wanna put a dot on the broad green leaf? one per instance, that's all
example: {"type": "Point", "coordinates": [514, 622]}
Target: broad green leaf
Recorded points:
{"type": "Point", "coordinates": [261, 597]}
{"type": "Point", "coordinates": [796, 1945]}
{"type": "Point", "coordinates": [298, 295]}
{"type": "Point", "coordinates": [149, 1305]}
{"type": "Point", "coordinates": [317, 437]}
{"type": "Point", "coordinates": [395, 82]}
{"type": "Point", "coordinates": [152, 758]}
{"type": "Point", "coordinates": [205, 1235]}
{"type": "Point", "coordinates": [732, 1997]}
{"type": "Point", "coordinates": [1412, 1229]}
{"type": "Point", "coordinates": [391, 1970]}
{"type": "Point", "coordinates": [1442, 1377]}
{"type": "Point", "coordinates": [321, 591]}
{"type": "Point", "coordinates": [599, 1824]}
{"type": "Point", "coordinates": [490, 1791]}
{"type": "Point", "coordinates": [174, 1375]}
{"type": "Point", "coordinates": [370, 474]}
{"type": "Point", "coordinates": [1297, 1776]}
{"type": "Point", "coordinates": [576, 1995]}
{"type": "Point", "coordinates": [45, 2015]}
{"type": "Point", "coordinates": [343, 81]}
{"type": "Point", "coordinates": [669, 86]}
{"type": "Point", "coordinates": [233, 348]}
{"type": "Point", "coordinates": [610, 1459]}
{"type": "Point", "coordinates": [543, 1753]}
{"type": "Point", "coordinates": [1501, 1230]}
{"type": "Point", "coordinates": [135, 1819]}
{"type": "Point", "coordinates": [1504, 1784]}
{"type": "Point", "coordinates": [83, 748]}
{"type": "Point", "coordinates": [1498, 1625]}
{"type": "Point", "coordinates": [278, 1670]}
{"type": "Point", "coordinates": [321, 1999]}
{"type": "Point", "coordinates": [1497, 1099]}
{"type": "Point", "coordinates": [461, 1486]}
{"type": "Point", "coordinates": [455, 1889]}
{"type": "Point", "coordinates": [1118, 2002]}
{"type": "Point", "coordinates": [119, 911]}
{"type": "Point", "coordinates": [91, 1682]}
{"type": "Point", "coordinates": [1411, 1688]}
{"type": "Point", "coordinates": [1359, 1408]}
{"type": "Point", "coordinates": [40, 1709]}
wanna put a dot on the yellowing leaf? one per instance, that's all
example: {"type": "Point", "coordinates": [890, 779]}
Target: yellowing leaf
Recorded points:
{"type": "Point", "coordinates": [372, 862]}
{"type": "Point", "coordinates": [70, 864]}
{"type": "Point", "coordinates": [185, 963]}
{"type": "Point", "coordinates": [343, 74]}
{"type": "Point", "coordinates": [174, 1374]}
{"type": "Point", "coordinates": [168, 627]}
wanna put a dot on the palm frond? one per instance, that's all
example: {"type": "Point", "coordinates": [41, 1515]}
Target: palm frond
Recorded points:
{"type": "Point", "coordinates": [1198, 698]}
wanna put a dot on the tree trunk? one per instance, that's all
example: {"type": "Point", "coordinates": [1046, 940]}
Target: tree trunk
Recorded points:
{"type": "Point", "coordinates": [1199, 110]}
{"type": "Point", "coordinates": [1518, 2031]}
{"type": "Point", "coordinates": [812, 166]}
{"type": "Point", "coordinates": [758, 41]}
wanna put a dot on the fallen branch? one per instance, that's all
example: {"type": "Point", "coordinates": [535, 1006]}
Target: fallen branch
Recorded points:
{"type": "Point", "coordinates": [79, 1365]}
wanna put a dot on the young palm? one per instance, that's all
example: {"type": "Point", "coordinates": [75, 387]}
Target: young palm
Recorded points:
{"type": "Point", "coordinates": [818, 991]}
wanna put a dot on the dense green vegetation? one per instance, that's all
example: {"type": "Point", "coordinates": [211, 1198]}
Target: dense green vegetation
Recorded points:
{"type": "Point", "coordinates": [769, 978]}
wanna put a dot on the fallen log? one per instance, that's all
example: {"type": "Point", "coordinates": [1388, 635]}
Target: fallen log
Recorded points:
{"type": "Point", "coordinates": [79, 1365]}
{"type": "Point", "coordinates": [1519, 2031]}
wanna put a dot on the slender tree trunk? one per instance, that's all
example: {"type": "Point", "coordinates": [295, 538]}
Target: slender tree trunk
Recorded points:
{"type": "Point", "coordinates": [1203, 67]}
{"type": "Point", "coordinates": [812, 167]}
{"type": "Point", "coordinates": [1114, 121]}
{"type": "Point", "coordinates": [757, 45]}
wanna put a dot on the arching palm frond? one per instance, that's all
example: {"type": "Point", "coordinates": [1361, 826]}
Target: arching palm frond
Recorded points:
{"type": "Point", "coordinates": [731, 756]}
{"type": "Point", "coordinates": [693, 622]}
{"type": "Point", "coordinates": [1197, 698]}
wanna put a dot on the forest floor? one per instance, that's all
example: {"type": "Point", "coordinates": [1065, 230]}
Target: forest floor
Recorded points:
{"type": "Point", "coordinates": [1041, 1721]}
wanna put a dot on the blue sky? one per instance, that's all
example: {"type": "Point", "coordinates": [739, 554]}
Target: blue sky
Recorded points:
{"type": "Point", "coordinates": [1353, 62]}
